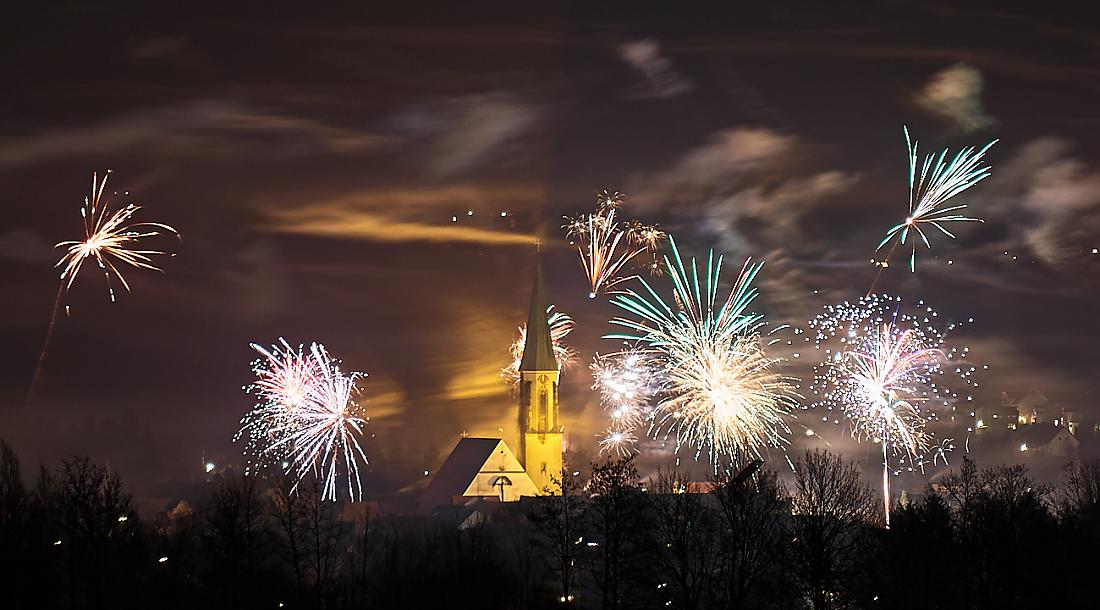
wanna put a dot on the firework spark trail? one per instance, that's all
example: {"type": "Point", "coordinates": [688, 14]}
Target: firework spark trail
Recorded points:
{"type": "Point", "coordinates": [601, 254]}
{"type": "Point", "coordinates": [885, 376]}
{"type": "Point", "coordinates": [937, 182]}
{"type": "Point", "coordinates": [889, 371]}
{"type": "Point", "coordinates": [41, 363]}
{"type": "Point", "coordinates": [650, 237]}
{"type": "Point", "coordinates": [718, 390]}
{"type": "Point", "coordinates": [626, 382]}
{"type": "Point", "coordinates": [561, 324]}
{"type": "Point", "coordinates": [729, 398]}
{"type": "Point", "coordinates": [305, 417]}
{"type": "Point", "coordinates": [285, 377]}
{"type": "Point", "coordinates": [605, 248]}
{"type": "Point", "coordinates": [328, 428]}
{"type": "Point", "coordinates": [619, 442]}
{"type": "Point", "coordinates": [110, 241]}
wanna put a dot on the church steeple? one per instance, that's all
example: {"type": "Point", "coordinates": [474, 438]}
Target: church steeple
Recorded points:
{"type": "Point", "coordinates": [539, 427]}
{"type": "Point", "coordinates": [538, 350]}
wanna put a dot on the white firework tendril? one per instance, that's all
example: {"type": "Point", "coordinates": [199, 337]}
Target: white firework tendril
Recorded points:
{"type": "Point", "coordinates": [285, 376]}
{"type": "Point", "coordinates": [561, 324]}
{"type": "Point", "coordinates": [627, 383]}
{"type": "Point", "coordinates": [888, 371]}
{"type": "Point", "coordinates": [305, 419]}
{"type": "Point", "coordinates": [717, 391]}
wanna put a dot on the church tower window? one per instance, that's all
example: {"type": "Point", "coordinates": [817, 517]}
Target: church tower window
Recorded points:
{"type": "Point", "coordinates": [543, 407]}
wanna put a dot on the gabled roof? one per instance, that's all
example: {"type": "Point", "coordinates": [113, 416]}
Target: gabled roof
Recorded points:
{"type": "Point", "coordinates": [538, 350]}
{"type": "Point", "coordinates": [460, 472]}
{"type": "Point", "coordinates": [1037, 435]}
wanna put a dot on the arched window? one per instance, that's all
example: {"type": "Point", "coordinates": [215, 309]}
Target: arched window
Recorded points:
{"type": "Point", "coordinates": [525, 403]}
{"type": "Point", "coordinates": [555, 419]}
{"type": "Point", "coordinates": [543, 408]}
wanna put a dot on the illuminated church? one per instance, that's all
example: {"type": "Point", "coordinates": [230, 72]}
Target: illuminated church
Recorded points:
{"type": "Point", "coordinates": [487, 467]}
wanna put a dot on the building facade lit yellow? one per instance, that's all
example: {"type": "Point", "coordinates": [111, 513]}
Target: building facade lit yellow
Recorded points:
{"type": "Point", "coordinates": [539, 413]}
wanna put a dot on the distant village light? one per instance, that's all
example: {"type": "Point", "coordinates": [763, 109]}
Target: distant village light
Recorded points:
{"type": "Point", "coordinates": [122, 519]}
{"type": "Point", "coordinates": [210, 466]}
{"type": "Point", "coordinates": [162, 560]}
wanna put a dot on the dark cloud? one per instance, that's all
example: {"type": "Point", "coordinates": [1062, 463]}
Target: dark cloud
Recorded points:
{"type": "Point", "coordinates": [662, 78]}
{"type": "Point", "coordinates": [1049, 200]}
{"type": "Point", "coordinates": [749, 189]}
{"type": "Point", "coordinates": [209, 128]}
{"type": "Point", "coordinates": [463, 133]}
{"type": "Point", "coordinates": [955, 94]}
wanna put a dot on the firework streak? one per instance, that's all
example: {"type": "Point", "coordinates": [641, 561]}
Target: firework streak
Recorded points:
{"type": "Point", "coordinates": [606, 247]}
{"type": "Point", "coordinates": [109, 239]}
{"type": "Point", "coordinates": [888, 371]}
{"type": "Point", "coordinates": [703, 360]}
{"type": "Point", "coordinates": [305, 418]}
{"type": "Point", "coordinates": [560, 327]}
{"type": "Point", "coordinates": [938, 182]}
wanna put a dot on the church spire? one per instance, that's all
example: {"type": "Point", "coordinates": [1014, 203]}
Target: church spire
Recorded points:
{"type": "Point", "coordinates": [539, 417]}
{"type": "Point", "coordinates": [538, 350]}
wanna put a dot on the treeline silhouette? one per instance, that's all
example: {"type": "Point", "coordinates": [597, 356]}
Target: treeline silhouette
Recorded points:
{"type": "Point", "coordinates": [983, 538]}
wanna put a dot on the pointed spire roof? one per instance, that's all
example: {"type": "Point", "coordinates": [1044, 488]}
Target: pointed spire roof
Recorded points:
{"type": "Point", "coordinates": [538, 350]}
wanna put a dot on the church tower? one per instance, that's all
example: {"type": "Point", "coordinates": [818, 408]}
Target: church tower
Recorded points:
{"type": "Point", "coordinates": [540, 430]}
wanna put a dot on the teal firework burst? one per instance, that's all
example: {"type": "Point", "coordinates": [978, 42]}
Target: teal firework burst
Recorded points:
{"type": "Point", "coordinates": [717, 390]}
{"type": "Point", "coordinates": [937, 182]}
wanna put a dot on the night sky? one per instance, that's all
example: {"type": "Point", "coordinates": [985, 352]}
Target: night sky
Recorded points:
{"type": "Point", "coordinates": [313, 164]}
